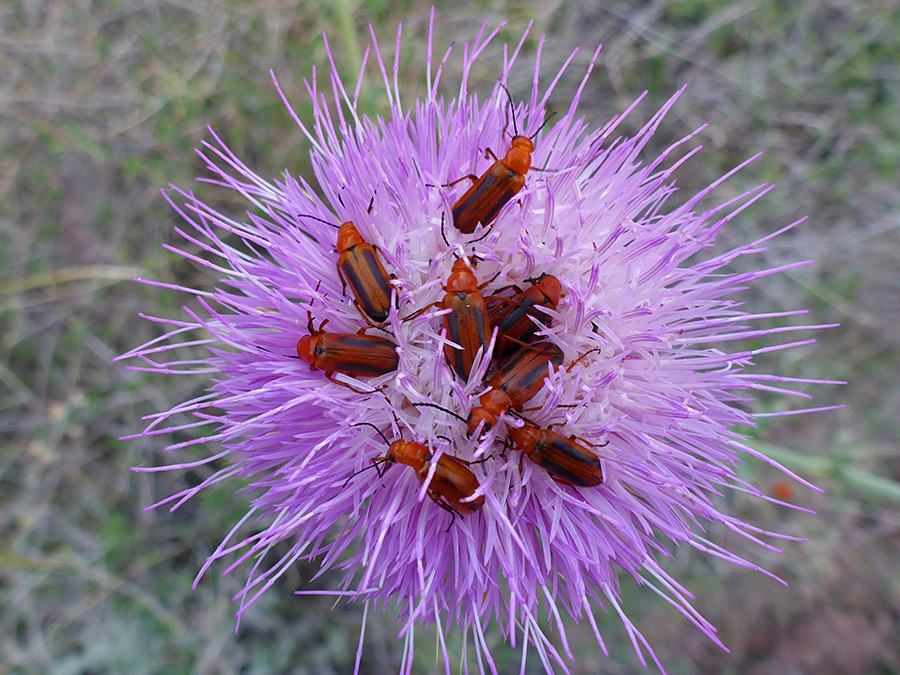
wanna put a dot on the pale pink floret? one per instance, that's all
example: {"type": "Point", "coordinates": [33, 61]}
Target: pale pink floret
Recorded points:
{"type": "Point", "coordinates": [659, 396]}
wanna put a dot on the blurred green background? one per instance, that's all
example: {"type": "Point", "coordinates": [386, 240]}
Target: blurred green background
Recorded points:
{"type": "Point", "coordinates": [102, 103]}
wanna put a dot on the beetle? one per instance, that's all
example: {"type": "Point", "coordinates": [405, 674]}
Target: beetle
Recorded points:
{"type": "Point", "coordinates": [516, 383]}
{"type": "Point", "coordinates": [567, 461]}
{"type": "Point", "coordinates": [452, 482]}
{"type": "Point", "coordinates": [500, 183]}
{"type": "Point", "coordinates": [350, 354]}
{"type": "Point", "coordinates": [360, 268]}
{"type": "Point", "coordinates": [512, 317]}
{"type": "Point", "coordinates": [467, 323]}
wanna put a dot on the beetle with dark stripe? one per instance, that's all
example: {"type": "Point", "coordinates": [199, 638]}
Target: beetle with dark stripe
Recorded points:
{"type": "Point", "coordinates": [361, 270]}
{"type": "Point", "coordinates": [467, 323]}
{"type": "Point", "coordinates": [500, 183]}
{"type": "Point", "coordinates": [567, 461]}
{"type": "Point", "coordinates": [452, 484]}
{"type": "Point", "coordinates": [513, 317]}
{"type": "Point", "coordinates": [350, 354]}
{"type": "Point", "coordinates": [515, 384]}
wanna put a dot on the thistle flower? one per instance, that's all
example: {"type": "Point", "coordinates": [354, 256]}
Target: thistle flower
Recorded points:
{"type": "Point", "coordinates": [645, 385]}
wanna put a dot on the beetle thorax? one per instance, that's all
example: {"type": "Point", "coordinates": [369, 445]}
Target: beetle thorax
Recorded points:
{"type": "Point", "coordinates": [550, 286]}
{"type": "Point", "coordinates": [306, 348]}
{"type": "Point", "coordinates": [461, 279]}
{"type": "Point", "coordinates": [348, 237]}
{"type": "Point", "coordinates": [409, 452]}
{"type": "Point", "coordinates": [525, 438]}
{"type": "Point", "coordinates": [518, 157]}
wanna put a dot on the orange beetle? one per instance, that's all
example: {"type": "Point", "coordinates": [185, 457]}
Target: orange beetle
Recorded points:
{"type": "Point", "coordinates": [467, 324]}
{"type": "Point", "coordinates": [515, 384]}
{"type": "Point", "coordinates": [350, 354]}
{"type": "Point", "coordinates": [360, 268]}
{"type": "Point", "coordinates": [501, 182]}
{"type": "Point", "coordinates": [511, 317]}
{"type": "Point", "coordinates": [453, 480]}
{"type": "Point", "coordinates": [566, 460]}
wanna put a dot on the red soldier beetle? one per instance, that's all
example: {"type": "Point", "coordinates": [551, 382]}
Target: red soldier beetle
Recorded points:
{"type": "Point", "coordinates": [566, 460]}
{"type": "Point", "coordinates": [512, 317]}
{"type": "Point", "coordinates": [350, 354]}
{"type": "Point", "coordinates": [514, 384]}
{"type": "Point", "coordinates": [452, 482]}
{"type": "Point", "coordinates": [360, 268]}
{"type": "Point", "coordinates": [500, 183]}
{"type": "Point", "coordinates": [511, 387]}
{"type": "Point", "coordinates": [467, 323]}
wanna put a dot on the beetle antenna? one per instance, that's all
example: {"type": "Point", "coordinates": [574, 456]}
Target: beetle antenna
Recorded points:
{"type": "Point", "coordinates": [511, 107]}
{"type": "Point", "coordinates": [374, 465]}
{"type": "Point", "coordinates": [444, 236]}
{"type": "Point", "coordinates": [435, 405]}
{"type": "Point", "coordinates": [549, 117]}
{"type": "Point", "coordinates": [327, 222]}
{"type": "Point", "coordinates": [487, 232]}
{"type": "Point", "coordinates": [590, 351]}
{"type": "Point", "coordinates": [369, 424]}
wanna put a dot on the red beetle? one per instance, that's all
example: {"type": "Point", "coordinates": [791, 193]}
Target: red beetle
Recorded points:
{"type": "Point", "coordinates": [515, 384]}
{"type": "Point", "coordinates": [512, 317]}
{"type": "Point", "coordinates": [452, 482]}
{"type": "Point", "coordinates": [501, 182]}
{"type": "Point", "coordinates": [467, 323]}
{"type": "Point", "coordinates": [360, 268]}
{"type": "Point", "coordinates": [350, 354]}
{"type": "Point", "coordinates": [568, 461]}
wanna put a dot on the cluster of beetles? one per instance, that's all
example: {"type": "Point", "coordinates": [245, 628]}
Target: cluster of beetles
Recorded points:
{"type": "Point", "coordinates": [522, 365]}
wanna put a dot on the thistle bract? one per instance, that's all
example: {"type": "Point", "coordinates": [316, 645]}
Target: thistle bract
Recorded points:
{"type": "Point", "coordinates": [647, 386]}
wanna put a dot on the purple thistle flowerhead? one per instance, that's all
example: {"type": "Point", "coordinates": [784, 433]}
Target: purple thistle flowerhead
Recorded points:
{"type": "Point", "coordinates": [622, 448]}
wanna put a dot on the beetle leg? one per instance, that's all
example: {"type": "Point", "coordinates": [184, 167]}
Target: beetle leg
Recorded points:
{"type": "Point", "coordinates": [490, 153]}
{"type": "Point", "coordinates": [420, 311]}
{"type": "Point", "coordinates": [512, 286]}
{"type": "Point", "coordinates": [330, 376]}
{"type": "Point", "coordinates": [443, 234]}
{"type": "Point", "coordinates": [472, 177]}
{"type": "Point", "coordinates": [589, 351]}
{"type": "Point", "coordinates": [437, 499]}
{"type": "Point", "coordinates": [452, 513]}
{"type": "Point", "coordinates": [490, 280]}
{"type": "Point", "coordinates": [573, 437]}
{"type": "Point", "coordinates": [369, 321]}
{"type": "Point", "coordinates": [561, 481]}
{"type": "Point", "coordinates": [343, 281]}
{"type": "Point", "coordinates": [487, 231]}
